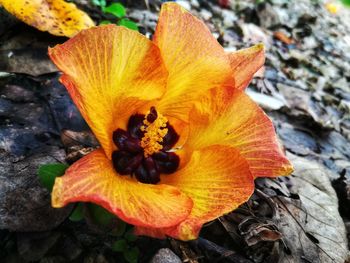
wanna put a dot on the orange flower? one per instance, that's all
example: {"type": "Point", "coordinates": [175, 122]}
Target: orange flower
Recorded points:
{"type": "Point", "coordinates": [181, 142]}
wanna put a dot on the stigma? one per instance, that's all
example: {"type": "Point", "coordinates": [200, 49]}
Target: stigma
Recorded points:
{"type": "Point", "coordinates": [154, 128]}
{"type": "Point", "coordinates": [143, 149]}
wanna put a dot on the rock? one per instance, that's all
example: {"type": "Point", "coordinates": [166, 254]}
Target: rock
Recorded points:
{"type": "Point", "coordinates": [69, 248]}
{"type": "Point", "coordinates": [53, 259]}
{"type": "Point", "coordinates": [6, 20]}
{"type": "Point", "coordinates": [25, 51]}
{"type": "Point", "coordinates": [34, 116]}
{"type": "Point", "coordinates": [33, 246]}
{"type": "Point", "coordinates": [165, 255]}
{"type": "Point", "coordinates": [96, 258]}
{"type": "Point", "coordinates": [24, 204]}
{"type": "Point", "coordinates": [17, 93]}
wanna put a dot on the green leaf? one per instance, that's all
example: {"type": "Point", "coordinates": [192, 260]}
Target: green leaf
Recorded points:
{"type": "Point", "coordinates": [128, 23]}
{"type": "Point", "coordinates": [48, 172]}
{"type": "Point", "coordinates": [131, 255]}
{"type": "Point", "coordinates": [77, 214]}
{"type": "Point", "coordinates": [116, 9]}
{"type": "Point", "coordinates": [346, 2]}
{"type": "Point", "coordinates": [105, 22]}
{"type": "Point", "coordinates": [101, 3]}
{"type": "Point", "coordinates": [120, 245]}
{"type": "Point", "coordinates": [119, 230]}
{"type": "Point", "coordinates": [100, 215]}
{"type": "Point", "coordinates": [130, 236]}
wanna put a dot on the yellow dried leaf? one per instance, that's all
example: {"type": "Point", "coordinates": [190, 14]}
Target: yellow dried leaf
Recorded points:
{"type": "Point", "coordinates": [55, 16]}
{"type": "Point", "coordinates": [332, 7]}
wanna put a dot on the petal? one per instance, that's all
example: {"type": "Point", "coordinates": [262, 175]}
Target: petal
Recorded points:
{"type": "Point", "coordinates": [109, 72]}
{"type": "Point", "coordinates": [230, 117]}
{"type": "Point", "coordinates": [245, 63]}
{"type": "Point", "coordinates": [93, 179]}
{"type": "Point", "coordinates": [193, 57]}
{"type": "Point", "coordinates": [217, 179]}
{"type": "Point", "coordinates": [57, 17]}
{"type": "Point", "coordinates": [159, 233]}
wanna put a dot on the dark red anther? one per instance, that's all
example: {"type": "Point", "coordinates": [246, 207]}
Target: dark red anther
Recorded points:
{"type": "Point", "coordinates": [125, 142]}
{"type": "Point", "coordinates": [160, 156]}
{"type": "Point", "coordinates": [133, 145]}
{"type": "Point", "coordinates": [135, 161]}
{"type": "Point", "coordinates": [119, 137]}
{"type": "Point", "coordinates": [121, 161]}
{"type": "Point", "coordinates": [152, 115]}
{"type": "Point", "coordinates": [130, 159]}
{"type": "Point", "coordinates": [126, 163]}
{"type": "Point", "coordinates": [170, 139]}
{"type": "Point", "coordinates": [141, 174]}
{"type": "Point", "coordinates": [134, 126]}
{"type": "Point", "coordinates": [146, 176]}
{"type": "Point", "coordinates": [166, 162]}
{"type": "Point", "coordinates": [153, 173]}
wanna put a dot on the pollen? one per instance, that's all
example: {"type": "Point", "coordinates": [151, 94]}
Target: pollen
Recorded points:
{"type": "Point", "coordinates": [154, 128]}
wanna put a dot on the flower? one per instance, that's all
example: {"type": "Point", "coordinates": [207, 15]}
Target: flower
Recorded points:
{"type": "Point", "coordinates": [181, 141]}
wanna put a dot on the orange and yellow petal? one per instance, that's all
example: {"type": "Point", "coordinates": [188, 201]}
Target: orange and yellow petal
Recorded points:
{"type": "Point", "coordinates": [245, 63]}
{"type": "Point", "coordinates": [110, 72]}
{"type": "Point", "coordinates": [217, 179]}
{"type": "Point", "coordinates": [159, 233]}
{"type": "Point", "coordinates": [93, 179]}
{"type": "Point", "coordinates": [230, 117]}
{"type": "Point", "coordinates": [195, 60]}
{"type": "Point", "coordinates": [56, 16]}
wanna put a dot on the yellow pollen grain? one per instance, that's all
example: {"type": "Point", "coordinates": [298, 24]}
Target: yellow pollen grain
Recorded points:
{"type": "Point", "coordinates": [154, 134]}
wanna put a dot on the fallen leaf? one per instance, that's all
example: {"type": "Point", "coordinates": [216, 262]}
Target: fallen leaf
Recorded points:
{"type": "Point", "coordinates": [332, 8]}
{"type": "Point", "coordinates": [266, 101]}
{"type": "Point", "coordinates": [71, 138]}
{"type": "Point", "coordinates": [55, 16]}
{"type": "Point", "coordinates": [312, 222]}
{"type": "Point", "coordinates": [255, 231]}
{"type": "Point", "coordinates": [283, 37]}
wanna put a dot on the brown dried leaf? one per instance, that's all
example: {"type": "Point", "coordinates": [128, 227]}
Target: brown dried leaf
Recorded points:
{"type": "Point", "coordinates": [312, 227]}
{"type": "Point", "coordinates": [71, 138]}
{"type": "Point", "coordinates": [255, 231]}
{"type": "Point", "coordinates": [281, 36]}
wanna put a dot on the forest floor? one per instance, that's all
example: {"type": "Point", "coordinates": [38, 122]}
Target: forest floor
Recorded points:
{"type": "Point", "coordinates": [304, 87]}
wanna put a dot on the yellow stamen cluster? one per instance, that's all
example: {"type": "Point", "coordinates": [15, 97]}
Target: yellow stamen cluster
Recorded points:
{"type": "Point", "coordinates": [154, 134]}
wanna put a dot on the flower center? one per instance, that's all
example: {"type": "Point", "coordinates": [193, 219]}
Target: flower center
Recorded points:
{"type": "Point", "coordinates": [154, 129]}
{"type": "Point", "coordinates": [143, 149]}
